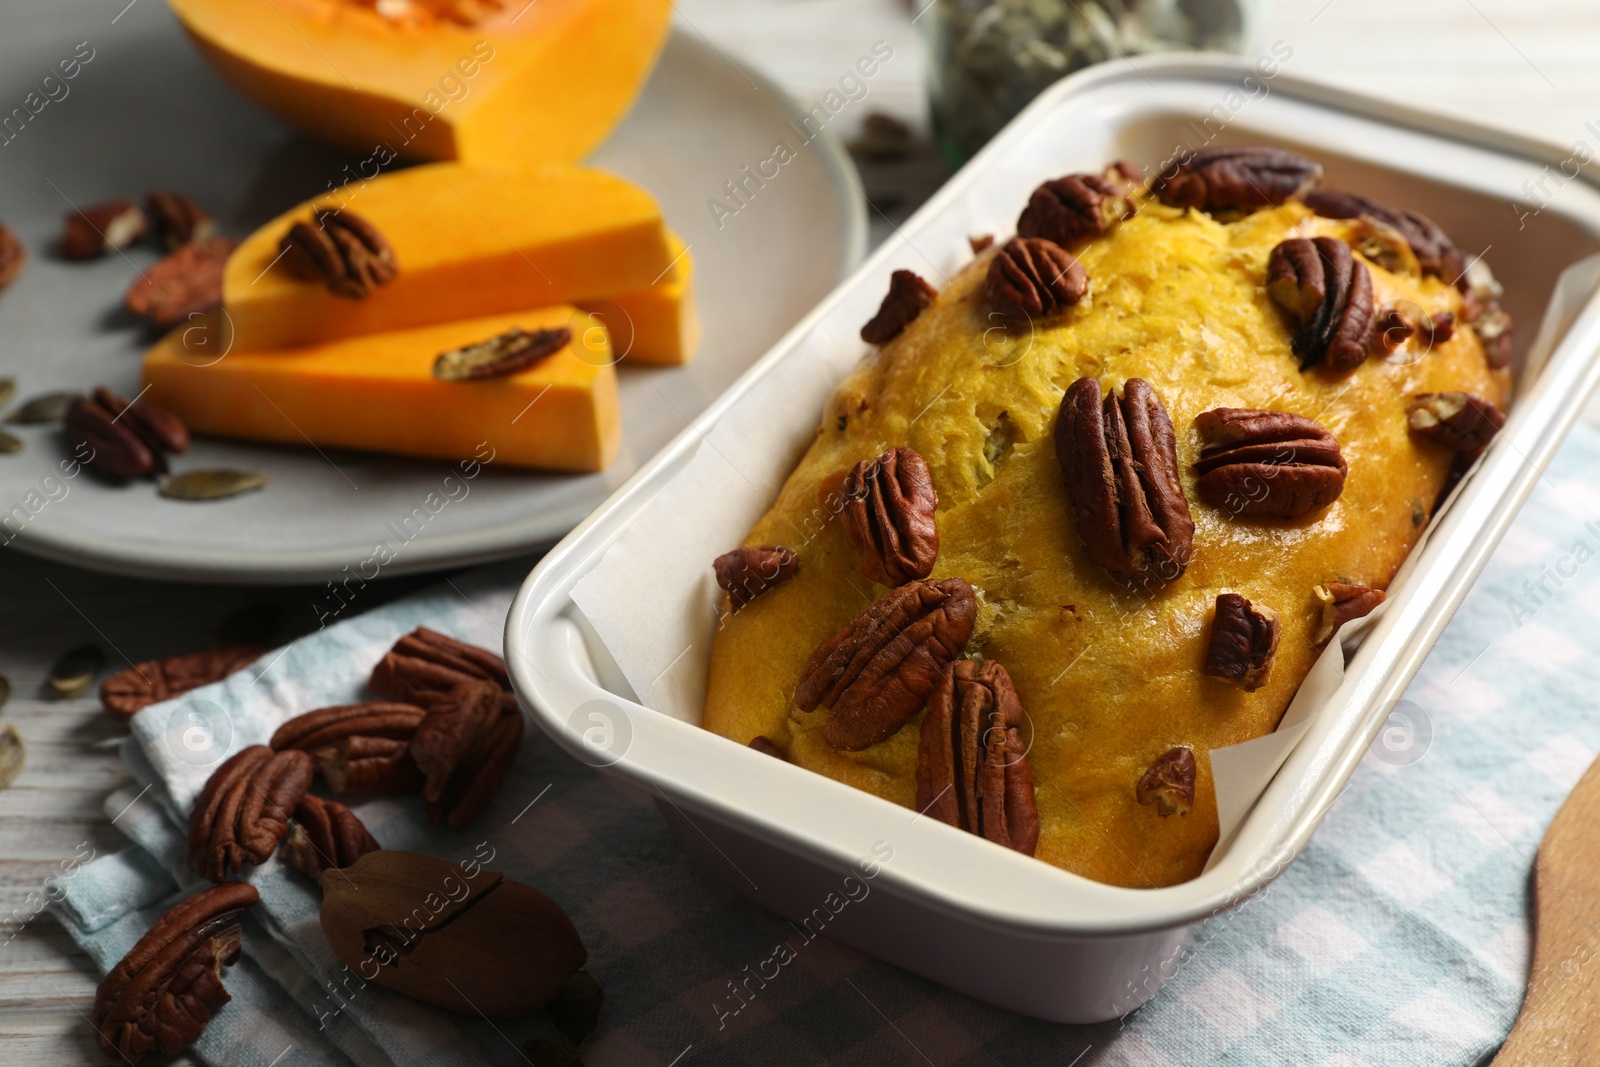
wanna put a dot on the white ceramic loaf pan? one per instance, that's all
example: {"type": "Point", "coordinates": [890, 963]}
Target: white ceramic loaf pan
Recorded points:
{"type": "Point", "coordinates": [942, 903]}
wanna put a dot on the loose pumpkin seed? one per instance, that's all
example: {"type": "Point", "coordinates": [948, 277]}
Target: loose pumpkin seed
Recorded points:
{"type": "Point", "coordinates": [75, 672]}
{"type": "Point", "coordinates": [9, 444]}
{"type": "Point", "coordinates": [13, 754]}
{"type": "Point", "coordinates": [216, 484]}
{"type": "Point", "coordinates": [47, 407]}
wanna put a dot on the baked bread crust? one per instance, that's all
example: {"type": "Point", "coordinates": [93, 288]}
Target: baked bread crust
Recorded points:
{"type": "Point", "coordinates": [1110, 679]}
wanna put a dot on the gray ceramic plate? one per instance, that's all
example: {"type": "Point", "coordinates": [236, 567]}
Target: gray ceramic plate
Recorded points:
{"type": "Point", "coordinates": [145, 113]}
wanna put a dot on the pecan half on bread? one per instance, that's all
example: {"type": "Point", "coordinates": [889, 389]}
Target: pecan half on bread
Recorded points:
{"type": "Point", "coordinates": [889, 517]}
{"type": "Point", "coordinates": [243, 811]}
{"type": "Point", "coordinates": [1031, 277]}
{"type": "Point", "coordinates": [746, 573]}
{"type": "Point", "coordinates": [1462, 421]}
{"type": "Point", "coordinates": [908, 295]}
{"type": "Point", "coordinates": [1242, 179]}
{"type": "Point", "coordinates": [1327, 293]}
{"type": "Point", "coordinates": [1267, 464]}
{"type": "Point", "coordinates": [342, 250]}
{"type": "Point", "coordinates": [1343, 602]}
{"type": "Point", "coordinates": [1078, 207]}
{"type": "Point", "coordinates": [464, 748]}
{"type": "Point", "coordinates": [325, 834]}
{"type": "Point", "coordinates": [1244, 638]}
{"type": "Point", "coordinates": [162, 994]}
{"type": "Point", "coordinates": [126, 692]}
{"type": "Point", "coordinates": [876, 673]}
{"type": "Point", "coordinates": [1120, 461]}
{"type": "Point", "coordinates": [358, 748]}
{"type": "Point", "coordinates": [972, 764]}
{"type": "Point", "coordinates": [1169, 783]}
{"type": "Point", "coordinates": [1436, 254]}
{"type": "Point", "coordinates": [425, 665]}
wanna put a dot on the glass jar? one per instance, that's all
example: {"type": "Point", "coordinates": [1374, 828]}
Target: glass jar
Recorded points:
{"type": "Point", "coordinates": [988, 58]}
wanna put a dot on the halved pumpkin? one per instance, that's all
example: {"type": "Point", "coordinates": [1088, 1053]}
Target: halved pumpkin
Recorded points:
{"type": "Point", "coordinates": [524, 81]}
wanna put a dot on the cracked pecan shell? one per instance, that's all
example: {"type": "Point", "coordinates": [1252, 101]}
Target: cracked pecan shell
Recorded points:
{"type": "Point", "coordinates": [1462, 421]}
{"type": "Point", "coordinates": [325, 834]}
{"type": "Point", "coordinates": [340, 249]}
{"type": "Point", "coordinates": [1242, 178]}
{"type": "Point", "coordinates": [1120, 462]}
{"type": "Point", "coordinates": [243, 811]}
{"type": "Point", "coordinates": [126, 692]}
{"type": "Point", "coordinates": [1343, 602]}
{"type": "Point", "coordinates": [889, 517]}
{"type": "Point", "coordinates": [875, 674]}
{"type": "Point", "coordinates": [1078, 207]}
{"type": "Point", "coordinates": [1031, 277]}
{"type": "Point", "coordinates": [162, 994]}
{"type": "Point", "coordinates": [424, 665]}
{"type": "Point", "coordinates": [1435, 253]}
{"type": "Point", "coordinates": [908, 294]}
{"type": "Point", "coordinates": [1328, 295]}
{"type": "Point", "coordinates": [972, 764]}
{"type": "Point", "coordinates": [1267, 464]}
{"type": "Point", "coordinates": [746, 573]}
{"type": "Point", "coordinates": [1244, 637]}
{"type": "Point", "coordinates": [1169, 783]}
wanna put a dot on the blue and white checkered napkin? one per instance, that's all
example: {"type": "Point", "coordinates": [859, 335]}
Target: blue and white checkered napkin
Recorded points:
{"type": "Point", "coordinates": [1400, 936]}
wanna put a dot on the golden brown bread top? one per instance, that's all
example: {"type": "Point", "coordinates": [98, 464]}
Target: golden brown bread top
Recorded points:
{"type": "Point", "coordinates": [1110, 679]}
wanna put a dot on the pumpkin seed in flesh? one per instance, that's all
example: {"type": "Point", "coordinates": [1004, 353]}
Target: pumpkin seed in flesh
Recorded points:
{"type": "Point", "coordinates": [47, 407]}
{"type": "Point", "coordinates": [75, 672]}
{"type": "Point", "coordinates": [13, 754]}
{"type": "Point", "coordinates": [214, 484]}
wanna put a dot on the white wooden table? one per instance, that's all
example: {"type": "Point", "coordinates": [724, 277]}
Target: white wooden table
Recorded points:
{"type": "Point", "coordinates": [1525, 64]}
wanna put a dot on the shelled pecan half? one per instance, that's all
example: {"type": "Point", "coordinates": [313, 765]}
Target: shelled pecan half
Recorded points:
{"type": "Point", "coordinates": [746, 573]}
{"type": "Point", "coordinates": [364, 764]}
{"type": "Point", "coordinates": [908, 295]}
{"type": "Point", "coordinates": [1462, 421]}
{"type": "Point", "coordinates": [162, 994]}
{"type": "Point", "coordinates": [1343, 602]}
{"type": "Point", "coordinates": [464, 748]}
{"type": "Point", "coordinates": [1031, 277]}
{"type": "Point", "coordinates": [1242, 178]}
{"type": "Point", "coordinates": [93, 231]}
{"type": "Point", "coordinates": [1436, 254]}
{"type": "Point", "coordinates": [875, 674]}
{"type": "Point", "coordinates": [358, 748]}
{"type": "Point", "coordinates": [1267, 464]}
{"type": "Point", "coordinates": [186, 284]}
{"type": "Point", "coordinates": [1078, 207]}
{"type": "Point", "coordinates": [178, 219]}
{"type": "Point", "coordinates": [126, 692]}
{"type": "Point", "coordinates": [243, 811]}
{"type": "Point", "coordinates": [325, 834]}
{"type": "Point", "coordinates": [127, 440]}
{"type": "Point", "coordinates": [765, 746]}
{"type": "Point", "coordinates": [972, 764]}
{"type": "Point", "coordinates": [511, 352]}
{"type": "Point", "coordinates": [1120, 461]}
{"type": "Point", "coordinates": [1493, 325]}
{"type": "Point", "coordinates": [889, 517]}
{"type": "Point", "coordinates": [1327, 293]}
{"type": "Point", "coordinates": [1244, 637]}
{"type": "Point", "coordinates": [425, 664]}
{"type": "Point", "coordinates": [342, 250]}
{"type": "Point", "coordinates": [1169, 783]}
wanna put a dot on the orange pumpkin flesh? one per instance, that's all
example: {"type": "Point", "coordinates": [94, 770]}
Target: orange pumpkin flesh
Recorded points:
{"type": "Point", "coordinates": [656, 325]}
{"type": "Point", "coordinates": [483, 80]}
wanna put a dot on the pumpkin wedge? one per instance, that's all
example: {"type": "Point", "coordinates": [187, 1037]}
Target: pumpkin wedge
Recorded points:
{"type": "Point", "coordinates": [655, 325]}
{"type": "Point", "coordinates": [482, 80]}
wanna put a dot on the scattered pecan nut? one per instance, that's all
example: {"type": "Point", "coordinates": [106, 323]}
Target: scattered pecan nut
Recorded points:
{"type": "Point", "coordinates": [1435, 253]}
{"type": "Point", "coordinates": [341, 249]}
{"type": "Point", "coordinates": [125, 440]}
{"type": "Point", "coordinates": [425, 665]}
{"type": "Point", "coordinates": [972, 764]}
{"type": "Point", "coordinates": [178, 219]}
{"type": "Point", "coordinates": [162, 994]}
{"type": "Point", "coordinates": [1267, 464]}
{"type": "Point", "coordinates": [875, 674]}
{"type": "Point", "coordinates": [325, 834]}
{"type": "Point", "coordinates": [243, 811]}
{"type": "Point", "coordinates": [908, 295]}
{"type": "Point", "coordinates": [1077, 207]}
{"type": "Point", "coordinates": [1243, 179]}
{"type": "Point", "coordinates": [889, 517]}
{"type": "Point", "coordinates": [101, 228]}
{"type": "Point", "coordinates": [1493, 326]}
{"type": "Point", "coordinates": [1169, 783]}
{"type": "Point", "coordinates": [509, 353]}
{"type": "Point", "coordinates": [765, 746]}
{"type": "Point", "coordinates": [746, 573]}
{"type": "Point", "coordinates": [1328, 295]}
{"type": "Point", "coordinates": [1461, 421]}
{"type": "Point", "coordinates": [1120, 462]}
{"type": "Point", "coordinates": [358, 748]}
{"type": "Point", "coordinates": [126, 692]}
{"type": "Point", "coordinates": [464, 748]}
{"type": "Point", "coordinates": [185, 284]}
{"type": "Point", "coordinates": [1244, 637]}
{"type": "Point", "coordinates": [1031, 277]}
{"type": "Point", "coordinates": [13, 256]}
{"type": "Point", "coordinates": [1343, 602]}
